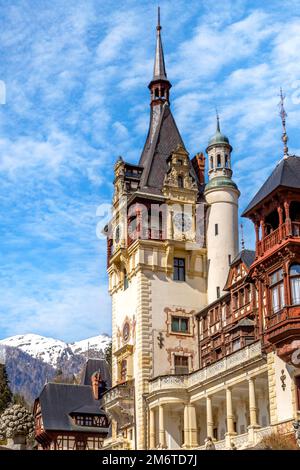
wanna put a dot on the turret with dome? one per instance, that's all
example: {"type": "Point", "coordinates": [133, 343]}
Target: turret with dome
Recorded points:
{"type": "Point", "coordinates": [221, 194]}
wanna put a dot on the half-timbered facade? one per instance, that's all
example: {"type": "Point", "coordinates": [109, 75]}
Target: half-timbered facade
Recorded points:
{"type": "Point", "coordinates": [71, 417]}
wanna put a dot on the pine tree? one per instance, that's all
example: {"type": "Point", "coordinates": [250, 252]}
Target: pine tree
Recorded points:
{"type": "Point", "coordinates": [108, 354]}
{"type": "Point", "coordinates": [5, 392]}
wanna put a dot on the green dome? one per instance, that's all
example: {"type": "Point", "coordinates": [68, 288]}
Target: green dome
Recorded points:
{"type": "Point", "coordinates": [218, 138]}
{"type": "Point", "coordinates": [219, 182]}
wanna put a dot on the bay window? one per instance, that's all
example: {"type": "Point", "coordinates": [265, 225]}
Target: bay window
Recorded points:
{"type": "Point", "coordinates": [295, 283]}
{"type": "Point", "coordinates": [277, 290]}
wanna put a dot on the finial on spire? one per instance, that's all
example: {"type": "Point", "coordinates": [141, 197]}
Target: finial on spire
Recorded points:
{"type": "Point", "coordinates": [242, 237]}
{"type": "Point", "coordinates": [158, 27]}
{"type": "Point", "coordinates": [283, 116]}
{"type": "Point", "coordinates": [218, 120]}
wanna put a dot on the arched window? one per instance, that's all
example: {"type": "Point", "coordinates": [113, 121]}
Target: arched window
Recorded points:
{"type": "Point", "coordinates": [156, 92]}
{"type": "Point", "coordinates": [218, 161]}
{"type": "Point", "coordinates": [295, 283]}
{"type": "Point", "coordinates": [211, 163]}
{"type": "Point", "coordinates": [277, 290]}
{"type": "Point", "coordinates": [226, 161]}
{"type": "Point", "coordinates": [180, 181]}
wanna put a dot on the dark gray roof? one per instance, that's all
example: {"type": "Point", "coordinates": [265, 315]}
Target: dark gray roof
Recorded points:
{"type": "Point", "coordinates": [58, 401]}
{"type": "Point", "coordinates": [96, 365]}
{"type": "Point", "coordinates": [286, 174]}
{"type": "Point", "coordinates": [155, 154]}
{"type": "Point", "coordinates": [246, 256]}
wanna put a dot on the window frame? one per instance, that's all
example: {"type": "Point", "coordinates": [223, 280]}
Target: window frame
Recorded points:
{"type": "Point", "coordinates": [179, 272]}
{"type": "Point", "coordinates": [277, 286]}
{"type": "Point", "coordinates": [180, 320]}
{"type": "Point", "coordinates": [293, 278]}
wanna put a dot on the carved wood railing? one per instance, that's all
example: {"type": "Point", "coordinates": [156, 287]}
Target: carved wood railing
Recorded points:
{"type": "Point", "coordinates": [286, 230]}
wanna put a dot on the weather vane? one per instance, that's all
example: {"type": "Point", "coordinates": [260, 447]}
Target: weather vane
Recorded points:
{"type": "Point", "coordinates": [283, 116]}
{"type": "Point", "coordinates": [242, 234]}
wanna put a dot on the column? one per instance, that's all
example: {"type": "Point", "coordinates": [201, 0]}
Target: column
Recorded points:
{"type": "Point", "coordinates": [209, 418]}
{"type": "Point", "coordinates": [287, 218]}
{"type": "Point", "coordinates": [257, 237]}
{"type": "Point", "coordinates": [186, 442]}
{"type": "Point", "coordinates": [229, 412]}
{"type": "Point", "coordinates": [252, 402]}
{"type": "Point", "coordinates": [161, 430]}
{"type": "Point", "coordinates": [193, 426]}
{"type": "Point", "coordinates": [280, 216]}
{"type": "Point", "coordinates": [152, 428]}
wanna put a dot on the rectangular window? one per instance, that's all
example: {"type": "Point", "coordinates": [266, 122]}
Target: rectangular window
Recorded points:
{"type": "Point", "coordinates": [216, 229]}
{"type": "Point", "coordinates": [123, 371]}
{"type": "Point", "coordinates": [179, 269]}
{"type": "Point", "coordinates": [229, 259]}
{"type": "Point", "coordinates": [181, 364]}
{"type": "Point", "coordinates": [277, 290]}
{"type": "Point", "coordinates": [180, 324]}
{"type": "Point", "coordinates": [218, 292]}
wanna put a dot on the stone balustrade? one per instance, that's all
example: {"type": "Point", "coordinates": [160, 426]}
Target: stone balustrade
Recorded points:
{"type": "Point", "coordinates": [168, 382]}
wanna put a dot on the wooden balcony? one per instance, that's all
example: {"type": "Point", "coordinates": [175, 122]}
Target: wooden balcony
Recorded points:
{"type": "Point", "coordinates": [288, 230]}
{"type": "Point", "coordinates": [283, 324]}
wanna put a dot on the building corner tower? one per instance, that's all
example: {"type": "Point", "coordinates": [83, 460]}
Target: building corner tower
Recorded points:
{"type": "Point", "coordinates": [221, 195]}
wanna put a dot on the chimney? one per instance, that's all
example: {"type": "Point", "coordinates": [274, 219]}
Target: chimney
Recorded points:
{"type": "Point", "coordinates": [96, 380]}
{"type": "Point", "coordinates": [198, 163]}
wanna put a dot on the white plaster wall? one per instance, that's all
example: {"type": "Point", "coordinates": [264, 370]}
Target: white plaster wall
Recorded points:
{"type": "Point", "coordinates": [166, 293]}
{"type": "Point", "coordinates": [284, 398]}
{"type": "Point", "coordinates": [223, 210]}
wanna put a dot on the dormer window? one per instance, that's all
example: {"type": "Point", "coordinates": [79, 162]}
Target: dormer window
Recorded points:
{"type": "Point", "coordinates": [91, 421]}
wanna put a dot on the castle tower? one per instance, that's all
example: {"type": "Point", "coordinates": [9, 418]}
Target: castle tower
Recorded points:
{"type": "Point", "coordinates": [156, 269]}
{"type": "Point", "coordinates": [221, 195]}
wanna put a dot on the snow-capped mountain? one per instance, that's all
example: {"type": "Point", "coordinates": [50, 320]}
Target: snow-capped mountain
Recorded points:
{"type": "Point", "coordinates": [52, 351]}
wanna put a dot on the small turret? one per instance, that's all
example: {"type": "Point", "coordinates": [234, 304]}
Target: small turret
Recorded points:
{"type": "Point", "coordinates": [221, 194]}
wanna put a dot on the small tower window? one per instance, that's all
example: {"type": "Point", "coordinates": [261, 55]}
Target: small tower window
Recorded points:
{"type": "Point", "coordinates": [211, 163]}
{"type": "Point", "coordinates": [219, 161]}
{"type": "Point", "coordinates": [180, 181]}
{"type": "Point", "coordinates": [218, 292]}
{"type": "Point", "coordinates": [216, 229]}
{"type": "Point", "coordinates": [125, 282]}
{"type": "Point", "coordinates": [156, 92]}
{"type": "Point", "coordinates": [162, 92]}
{"type": "Point", "coordinates": [226, 161]}
{"type": "Point", "coordinates": [229, 259]}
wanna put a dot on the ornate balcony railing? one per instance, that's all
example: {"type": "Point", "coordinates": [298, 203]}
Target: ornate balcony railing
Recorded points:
{"type": "Point", "coordinates": [185, 381]}
{"type": "Point", "coordinates": [286, 230]}
{"type": "Point", "coordinates": [121, 391]}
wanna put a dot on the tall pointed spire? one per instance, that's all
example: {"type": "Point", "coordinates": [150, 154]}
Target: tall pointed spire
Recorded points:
{"type": "Point", "coordinates": [218, 121]}
{"type": "Point", "coordinates": [283, 116]}
{"type": "Point", "coordinates": [159, 85]}
{"type": "Point", "coordinates": [159, 70]}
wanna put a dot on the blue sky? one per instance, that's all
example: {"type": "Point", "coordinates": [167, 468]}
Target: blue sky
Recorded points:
{"type": "Point", "coordinates": [76, 76]}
